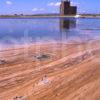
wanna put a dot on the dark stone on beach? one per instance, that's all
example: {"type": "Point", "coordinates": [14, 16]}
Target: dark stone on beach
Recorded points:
{"type": "Point", "coordinates": [42, 57]}
{"type": "Point", "coordinates": [2, 62]}
{"type": "Point", "coordinates": [18, 98]}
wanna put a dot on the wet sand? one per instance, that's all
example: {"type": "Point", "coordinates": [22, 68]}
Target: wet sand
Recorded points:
{"type": "Point", "coordinates": [53, 71]}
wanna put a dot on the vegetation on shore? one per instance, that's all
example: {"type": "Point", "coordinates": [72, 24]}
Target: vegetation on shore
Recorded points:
{"type": "Point", "coordinates": [49, 15]}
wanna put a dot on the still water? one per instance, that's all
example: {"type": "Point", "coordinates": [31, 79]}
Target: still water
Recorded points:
{"type": "Point", "coordinates": [43, 30]}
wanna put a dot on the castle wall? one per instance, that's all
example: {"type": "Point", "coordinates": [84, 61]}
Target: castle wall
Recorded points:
{"type": "Point", "coordinates": [67, 9]}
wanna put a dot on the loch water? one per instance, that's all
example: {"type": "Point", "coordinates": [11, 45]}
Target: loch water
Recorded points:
{"type": "Point", "coordinates": [43, 30]}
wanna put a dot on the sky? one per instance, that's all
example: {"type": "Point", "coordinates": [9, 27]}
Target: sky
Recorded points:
{"type": "Point", "coordinates": [45, 6]}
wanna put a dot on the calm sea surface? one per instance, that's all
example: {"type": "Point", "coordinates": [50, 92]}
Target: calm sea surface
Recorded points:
{"type": "Point", "coordinates": [43, 30]}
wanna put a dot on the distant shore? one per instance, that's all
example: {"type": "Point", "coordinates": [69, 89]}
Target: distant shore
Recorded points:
{"type": "Point", "coordinates": [52, 16]}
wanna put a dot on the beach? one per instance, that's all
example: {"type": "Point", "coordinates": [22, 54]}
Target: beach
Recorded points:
{"type": "Point", "coordinates": [51, 71]}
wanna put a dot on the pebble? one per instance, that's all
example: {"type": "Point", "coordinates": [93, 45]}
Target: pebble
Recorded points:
{"type": "Point", "coordinates": [42, 56]}
{"type": "Point", "coordinates": [2, 62]}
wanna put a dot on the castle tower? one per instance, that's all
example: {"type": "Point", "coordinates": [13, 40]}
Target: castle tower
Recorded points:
{"type": "Point", "coordinates": [67, 9]}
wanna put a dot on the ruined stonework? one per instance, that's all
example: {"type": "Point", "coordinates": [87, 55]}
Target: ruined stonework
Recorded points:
{"type": "Point", "coordinates": [67, 9]}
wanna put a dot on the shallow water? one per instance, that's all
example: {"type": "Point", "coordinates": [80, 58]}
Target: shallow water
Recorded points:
{"type": "Point", "coordinates": [43, 30]}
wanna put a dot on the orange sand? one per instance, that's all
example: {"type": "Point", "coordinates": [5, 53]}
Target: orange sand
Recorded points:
{"type": "Point", "coordinates": [71, 73]}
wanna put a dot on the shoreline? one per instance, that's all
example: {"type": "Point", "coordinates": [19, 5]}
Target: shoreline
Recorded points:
{"type": "Point", "coordinates": [47, 16]}
{"type": "Point", "coordinates": [22, 46]}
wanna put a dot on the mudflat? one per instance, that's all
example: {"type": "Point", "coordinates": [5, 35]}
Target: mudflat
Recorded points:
{"type": "Point", "coordinates": [51, 71]}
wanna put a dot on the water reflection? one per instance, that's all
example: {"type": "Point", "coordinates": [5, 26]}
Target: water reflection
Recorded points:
{"type": "Point", "coordinates": [69, 31]}
{"type": "Point", "coordinates": [67, 27]}
{"type": "Point", "coordinates": [67, 24]}
{"type": "Point", "coordinates": [21, 31]}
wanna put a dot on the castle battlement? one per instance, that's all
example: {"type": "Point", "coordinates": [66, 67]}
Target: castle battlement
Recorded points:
{"type": "Point", "coordinates": [67, 9]}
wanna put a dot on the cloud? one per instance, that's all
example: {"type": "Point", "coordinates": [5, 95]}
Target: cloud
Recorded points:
{"type": "Point", "coordinates": [9, 3]}
{"type": "Point", "coordinates": [37, 9]}
{"type": "Point", "coordinates": [56, 4]}
{"type": "Point", "coordinates": [75, 3]}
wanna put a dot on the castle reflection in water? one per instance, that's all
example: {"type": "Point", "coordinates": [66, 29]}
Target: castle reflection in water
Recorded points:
{"type": "Point", "coordinates": [67, 24]}
{"type": "Point", "coordinates": [69, 30]}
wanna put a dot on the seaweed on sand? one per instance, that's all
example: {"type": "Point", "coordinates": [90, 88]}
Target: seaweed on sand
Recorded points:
{"type": "Point", "coordinates": [2, 62]}
{"type": "Point", "coordinates": [41, 57]}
